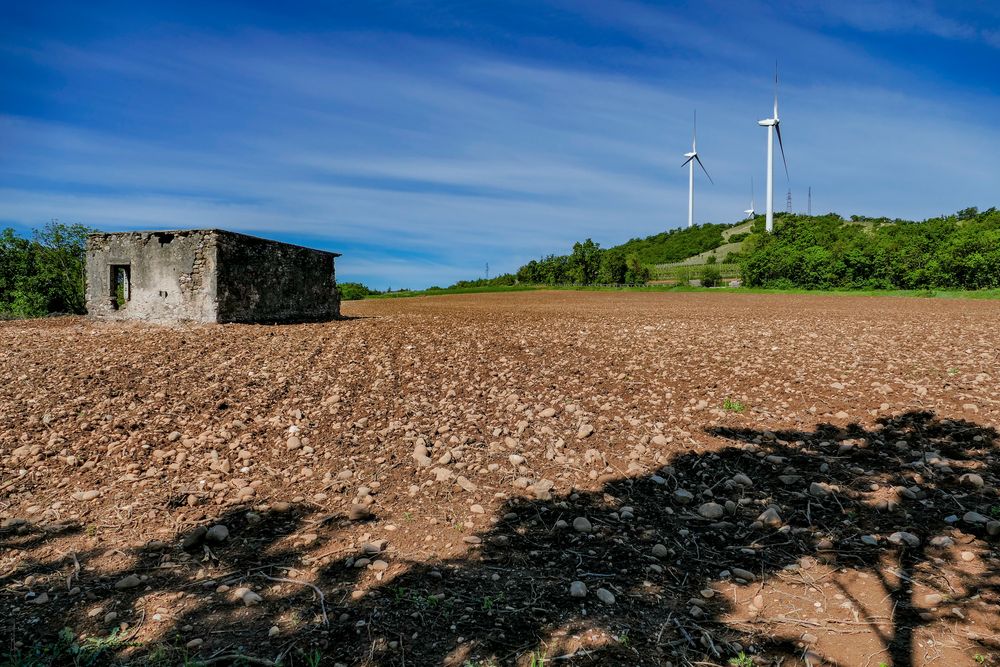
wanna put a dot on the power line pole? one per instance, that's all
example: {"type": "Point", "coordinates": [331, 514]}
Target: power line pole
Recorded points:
{"type": "Point", "coordinates": [788, 202]}
{"type": "Point", "coordinates": [810, 206]}
{"type": "Point", "coordinates": [487, 270]}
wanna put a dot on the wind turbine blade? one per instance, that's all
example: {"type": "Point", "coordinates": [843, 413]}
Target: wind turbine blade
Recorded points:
{"type": "Point", "coordinates": [777, 128]}
{"type": "Point", "coordinates": [694, 133]}
{"type": "Point", "coordinates": [688, 160]}
{"type": "Point", "coordinates": [703, 169]}
{"type": "Point", "coordinates": [775, 89]}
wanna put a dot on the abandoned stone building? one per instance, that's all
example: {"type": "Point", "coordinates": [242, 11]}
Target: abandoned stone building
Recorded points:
{"type": "Point", "coordinates": [208, 275]}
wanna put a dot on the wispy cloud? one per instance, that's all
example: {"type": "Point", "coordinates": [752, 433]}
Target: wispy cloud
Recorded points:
{"type": "Point", "coordinates": [422, 159]}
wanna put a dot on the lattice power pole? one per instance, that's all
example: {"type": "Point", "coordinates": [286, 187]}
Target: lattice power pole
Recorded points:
{"type": "Point", "coordinates": [788, 202]}
{"type": "Point", "coordinates": [809, 206]}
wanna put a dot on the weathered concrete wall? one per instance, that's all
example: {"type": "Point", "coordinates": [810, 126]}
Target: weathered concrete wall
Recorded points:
{"type": "Point", "coordinates": [172, 275]}
{"type": "Point", "coordinates": [265, 281]}
{"type": "Point", "coordinates": [209, 276]}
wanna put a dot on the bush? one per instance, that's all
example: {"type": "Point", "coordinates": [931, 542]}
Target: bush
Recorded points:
{"type": "Point", "coordinates": [824, 252]}
{"type": "Point", "coordinates": [43, 275]}
{"type": "Point", "coordinates": [354, 291]}
{"type": "Point", "coordinates": [710, 276]}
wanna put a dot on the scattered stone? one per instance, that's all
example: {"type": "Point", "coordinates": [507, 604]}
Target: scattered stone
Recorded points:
{"type": "Point", "coordinates": [974, 518]}
{"type": "Point", "coordinates": [971, 479]}
{"type": "Point", "coordinates": [605, 596]}
{"type": "Point", "coordinates": [466, 484]}
{"type": "Point", "coordinates": [585, 431]}
{"type": "Point", "coordinates": [84, 496]}
{"type": "Point", "coordinates": [711, 511]}
{"type": "Point", "coordinates": [819, 490]}
{"type": "Point", "coordinates": [660, 551]}
{"type": "Point", "coordinates": [578, 589]}
{"type": "Point", "coordinates": [359, 512]}
{"type": "Point", "coordinates": [770, 518]}
{"type": "Point", "coordinates": [582, 524]}
{"type": "Point", "coordinates": [904, 538]}
{"type": "Point", "coordinates": [194, 538]}
{"type": "Point", "coordinates": [217, 534]}
{"type": "Point", "coordinates": [683, 497]}
{"type": "Point", "coordinates": [248, 597]}
{"type": "Point", "coordinates": [131, 581]}
{"type": "Point", "coordinates": [745, 575]}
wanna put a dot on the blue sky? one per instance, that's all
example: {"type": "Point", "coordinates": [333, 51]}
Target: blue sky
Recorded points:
{"type": "Point", "coordinates": [424, 139]}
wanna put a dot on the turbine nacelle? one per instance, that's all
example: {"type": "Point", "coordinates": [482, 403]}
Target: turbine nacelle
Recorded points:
{"type": "Point", "coordinates": [768, 122]}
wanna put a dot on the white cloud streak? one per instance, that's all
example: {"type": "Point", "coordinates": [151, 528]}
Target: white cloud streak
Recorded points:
{"type": "Point", "coordinates": [421, 172]}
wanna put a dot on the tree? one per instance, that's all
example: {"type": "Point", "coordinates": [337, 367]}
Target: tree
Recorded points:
{"type": "Point", "coordinates": [584, 263]}
{"type": "Point", "coordinates": [45, 274]}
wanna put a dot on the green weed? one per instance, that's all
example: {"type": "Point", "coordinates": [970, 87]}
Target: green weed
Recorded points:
{"type": "Point", "coordinates": [741, 660]}
{"type": "Point", "coordinates": [538, 659]}
{"type": "Point", "coordinates": [314, 658]}
{"type": "Point", "coordinates": [733, 406]}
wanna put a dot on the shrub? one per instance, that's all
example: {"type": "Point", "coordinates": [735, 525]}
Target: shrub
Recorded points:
{"type": "Point", "coordinates": [710, 276]}
{"type": "Point", "coordinates": [354, 291]}
{"type": "Point", "coordinates": [45, 274]}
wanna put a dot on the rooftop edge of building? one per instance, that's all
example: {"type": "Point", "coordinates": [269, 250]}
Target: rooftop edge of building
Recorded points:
{"type": "Point", "coordinates": [201, 230]}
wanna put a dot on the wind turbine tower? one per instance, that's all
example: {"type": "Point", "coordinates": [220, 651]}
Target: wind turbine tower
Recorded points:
{"type": "Point", "coordinates": [773, 126]}
{"type": "Point", "coordinates": [692, 157]}
{"type": "Point", "coordinates": [750, 211]}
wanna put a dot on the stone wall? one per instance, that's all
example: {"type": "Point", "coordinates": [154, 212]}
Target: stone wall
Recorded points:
{"type": "Point", "coordinates": [208, 276]}
{"type": "Point", "coordinates": [265, 281]}
{"type": "Point", "coordinates": [170, 276]}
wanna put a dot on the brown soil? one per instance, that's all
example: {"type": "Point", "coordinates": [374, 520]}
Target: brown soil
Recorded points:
{"type": "Point", "coordinates": [428, 420]}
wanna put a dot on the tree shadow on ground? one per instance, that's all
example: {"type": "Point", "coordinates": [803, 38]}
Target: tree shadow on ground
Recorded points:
{"type": "Point", "coordinates": [872, 502]}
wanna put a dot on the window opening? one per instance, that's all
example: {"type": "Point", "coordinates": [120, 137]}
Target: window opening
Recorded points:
{"type": "Point", "coordinates": [121, 285]}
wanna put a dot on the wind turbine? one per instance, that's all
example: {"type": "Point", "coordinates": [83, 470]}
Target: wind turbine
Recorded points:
{"type": "Point", "coordinates": [773, 126]}
{"type": "Point", "coordinates": [750, 211]}
{"type": "Point", "coordinates": [692, 157]}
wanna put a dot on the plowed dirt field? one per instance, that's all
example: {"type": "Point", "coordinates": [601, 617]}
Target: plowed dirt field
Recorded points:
{"type": "Point", "coordinates": [544, 478]}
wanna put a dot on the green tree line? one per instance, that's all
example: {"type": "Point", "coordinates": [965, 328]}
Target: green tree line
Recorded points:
{"type": "Point", "coordinates": [43, 274]}
{"type": "Point", "coordinates": [822, 252]}
{"type": "Point", "coordinates": [588, 264]}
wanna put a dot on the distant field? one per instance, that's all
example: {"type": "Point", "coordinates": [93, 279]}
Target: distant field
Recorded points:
{"type": "Point", "coordinates": [944, 294]}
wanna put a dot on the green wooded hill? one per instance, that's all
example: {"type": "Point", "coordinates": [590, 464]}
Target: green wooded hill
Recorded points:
{"type": "Point", "coordinates": [825, 252]}
{"type": "Point", "coordinates": [813, 252]}
{"type": "Point", "coordinates": [675, 245]}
